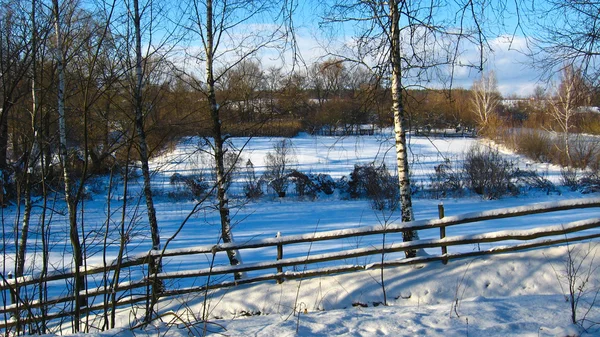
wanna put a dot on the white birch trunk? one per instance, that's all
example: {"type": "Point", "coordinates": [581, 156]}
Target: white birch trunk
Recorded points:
{"type": "Point", "coordinates": [400, 125]}
{"type": "Point", "coordinates": [226, 235]}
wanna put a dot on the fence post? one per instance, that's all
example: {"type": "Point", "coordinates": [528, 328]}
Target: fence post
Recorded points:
{"type": "Point", "coordinates": [442, 232]}
{"type": "Point", "coordinates": [279, 257]}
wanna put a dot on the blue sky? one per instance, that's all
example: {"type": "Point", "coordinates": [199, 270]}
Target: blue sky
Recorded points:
{"type": "Point", "coordinates": [507, 57]}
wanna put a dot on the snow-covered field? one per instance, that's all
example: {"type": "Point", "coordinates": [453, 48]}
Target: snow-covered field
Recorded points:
{"type": "Point", "coordinates": [517, 294]}
{"type": "Point", "coordinates": [505, 295]}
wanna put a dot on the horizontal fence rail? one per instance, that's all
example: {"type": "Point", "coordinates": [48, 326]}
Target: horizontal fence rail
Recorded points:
{"type": "Point", "coordinates": [274, 270]}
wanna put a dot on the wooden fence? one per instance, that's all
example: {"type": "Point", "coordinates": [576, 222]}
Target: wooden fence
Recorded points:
{"type": "Point", "coordinates": [274, 270]}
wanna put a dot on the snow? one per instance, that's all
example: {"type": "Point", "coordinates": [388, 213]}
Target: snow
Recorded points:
{"type": "Point", "coordinates": [511, 294]}
{"type": "Point", "coordinates": [502, 295]}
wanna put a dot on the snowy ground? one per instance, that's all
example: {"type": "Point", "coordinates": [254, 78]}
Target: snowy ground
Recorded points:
{"type": "Point", "coordinates": [507, 295]}
{"type": "Point", "coordinates": [512, 294]}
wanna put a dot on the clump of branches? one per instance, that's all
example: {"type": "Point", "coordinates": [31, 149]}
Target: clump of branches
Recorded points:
{"type": "Point", "coordinates": [188, 186]}
{"type": "Point", "coordinates": [569, 178]}
{"type": "Point", "coordinates": [252, 185]}
{"type": "Point", "coordinates": [488, 174]}
{"type": "Point", "coordinates": [375, 183]}
{"type": "Point", "coordinates": [584, 181]}
{"type": "Point", "coordinates": [579, 276]}
{"type": "Point", "coordinates": [446, 181]}
{"type": "Point", "coordinates": [590, 182]}
{"type": "Point", "coordinates": [310, 185]}
{"type": "Point", "coordinates": [278, 166]}
{"type": "Point", "coordinates": [531, 179]}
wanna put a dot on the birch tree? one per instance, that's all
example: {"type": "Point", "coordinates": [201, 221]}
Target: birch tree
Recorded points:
{"type": "Point", "coordinates": [229, 33]}
{"type": "Point", "coordinates": [412, 43]}
{"type": "Point", "coordinates": [79, 35]}
{"type": "Point", "coordinates": [570, 95]}
{"type": "Point", "coordinates": [148, 18]}
{"type": "Point", "coordinates": [59, 56]}
{"type": "Point", "coordinates": [485, 99]}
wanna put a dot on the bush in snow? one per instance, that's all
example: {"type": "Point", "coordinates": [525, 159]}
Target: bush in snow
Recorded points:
{"type": "Point", "coordinates": [252, 185]}
{"type": "Point", "coordinates": [488, 174]}
{"type": "Point", "coordinates": [375, 183]}
{"type": "Point", "coordinates": [569, 178]}
{"type": "Point", "coordinates": [531, 179]}
{"type": "Point", "coordinates": [311, 185]}
{"type": "Point", "coordinates": [278, 165]}
{"type": "Point", "coordinates": [590, 183]}
{"type": "Point", "coordinates": [446, 181]}
{"type": "Point", "coordinates": [534, 144]}
{"type": "Point", "coordinates": [578, 279]}
{"type": "Point", "coordinates": [188, 186]}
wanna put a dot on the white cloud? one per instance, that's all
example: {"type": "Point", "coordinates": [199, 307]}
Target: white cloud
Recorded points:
{"type": "Point", "coordinates": [514, 71]}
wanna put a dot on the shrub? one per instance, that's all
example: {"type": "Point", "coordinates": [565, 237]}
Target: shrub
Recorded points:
{"type": "Point", "coordinates": [304, 184]}
{"type": "Point", "coordinates": [253, 185]}
{"type": "Point", "coordinates": [488, 174]}
{"type": "Point", "coordinates": [534, 144]}
{"type": "Point", "coordinates": [590, 183]}
{"type": "Point", "coordinates": [445, 181]}
{"type": "Point", "coordinates": [311, 185]}
{"type": "Point", "coordinates": [188, 186]}
{"type": "Point", "coordinates": [531, 179]}
{"type": "Point", "coordinates": [278, 166]}
{"type": "Point", "coordinates": [375, 183]}
{"type": "Point", "coordinates": [584, 151]}
{"type": "Point", "coordinates": [569, 178]}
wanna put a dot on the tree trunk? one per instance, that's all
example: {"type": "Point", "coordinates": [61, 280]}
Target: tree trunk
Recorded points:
{"type": "Point", "coordinates": [400, 125]}
{"type": "Point", "coordinates": [4, 173]}
{"type": "Point", "coordinates": [139, 123]}
{"type": "Point", "coordinates": [29, 155]}
{"type": "Point", "coordinates": [70, 200]}
{"type": "Point", "coordinates": [226, 235]}
{"type": "Point", "coordinates": [155, 266]}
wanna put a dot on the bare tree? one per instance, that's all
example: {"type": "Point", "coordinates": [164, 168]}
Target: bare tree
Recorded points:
{"type": "Point", "coordinates": [485, 99]}
{"type": "Point", "coordinates": [139, 125]}
{"type": "Point", "coordinates": [278, 166]}
{"type": "Point", "coordinates": [566, 33]}
{"type": "Point", "coordinates": [226, 41]}
{"type": "Point", "coordinates": [76, 33]}
{"type": "Point", "coordinates": [411, 43]}
{"type": "Point", "coordinates": [571, 94]}
{"type": "Point", "coordinates": [15, 59]}
{"type": "Point", "coordinates": [57, 12]}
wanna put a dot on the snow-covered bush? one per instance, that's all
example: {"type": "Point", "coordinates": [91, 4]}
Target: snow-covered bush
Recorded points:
{"type": "Point", "coordinates": [531, 179]}
{"type": "Point", "coordinates": [311, 185]}
{"type": "Point", "coordinates": [488, 174]}
{"type": "Point", "coordinates": [278, 165]}
{"type": "Point", "coordinates": [252, 185]}
{"type": "Point", "coordinates": [190, 186]}
{"type": "Point", "coordinates": [590, 183]}
{"type": "Point", "coordinates": [446, 181]}
{"type": "Point", "coordinates": [375, 183]}
{"type": "Point", "coordinates": [569, 178]}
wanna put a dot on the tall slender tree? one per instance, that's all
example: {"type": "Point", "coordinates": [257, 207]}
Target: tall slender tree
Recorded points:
{"type": "Point", "coordinates": [412, 43]}
{"type": "Point", "coordinates": [15, 59]}
{"type": "Point", "coordinates": [74, 235]}
{"type": "Point", "coordinates": [223, 29]}
{"type": "Point", "coordinates": [485, 99]}
{"type": "Point", "coordinates": [571, 94]}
